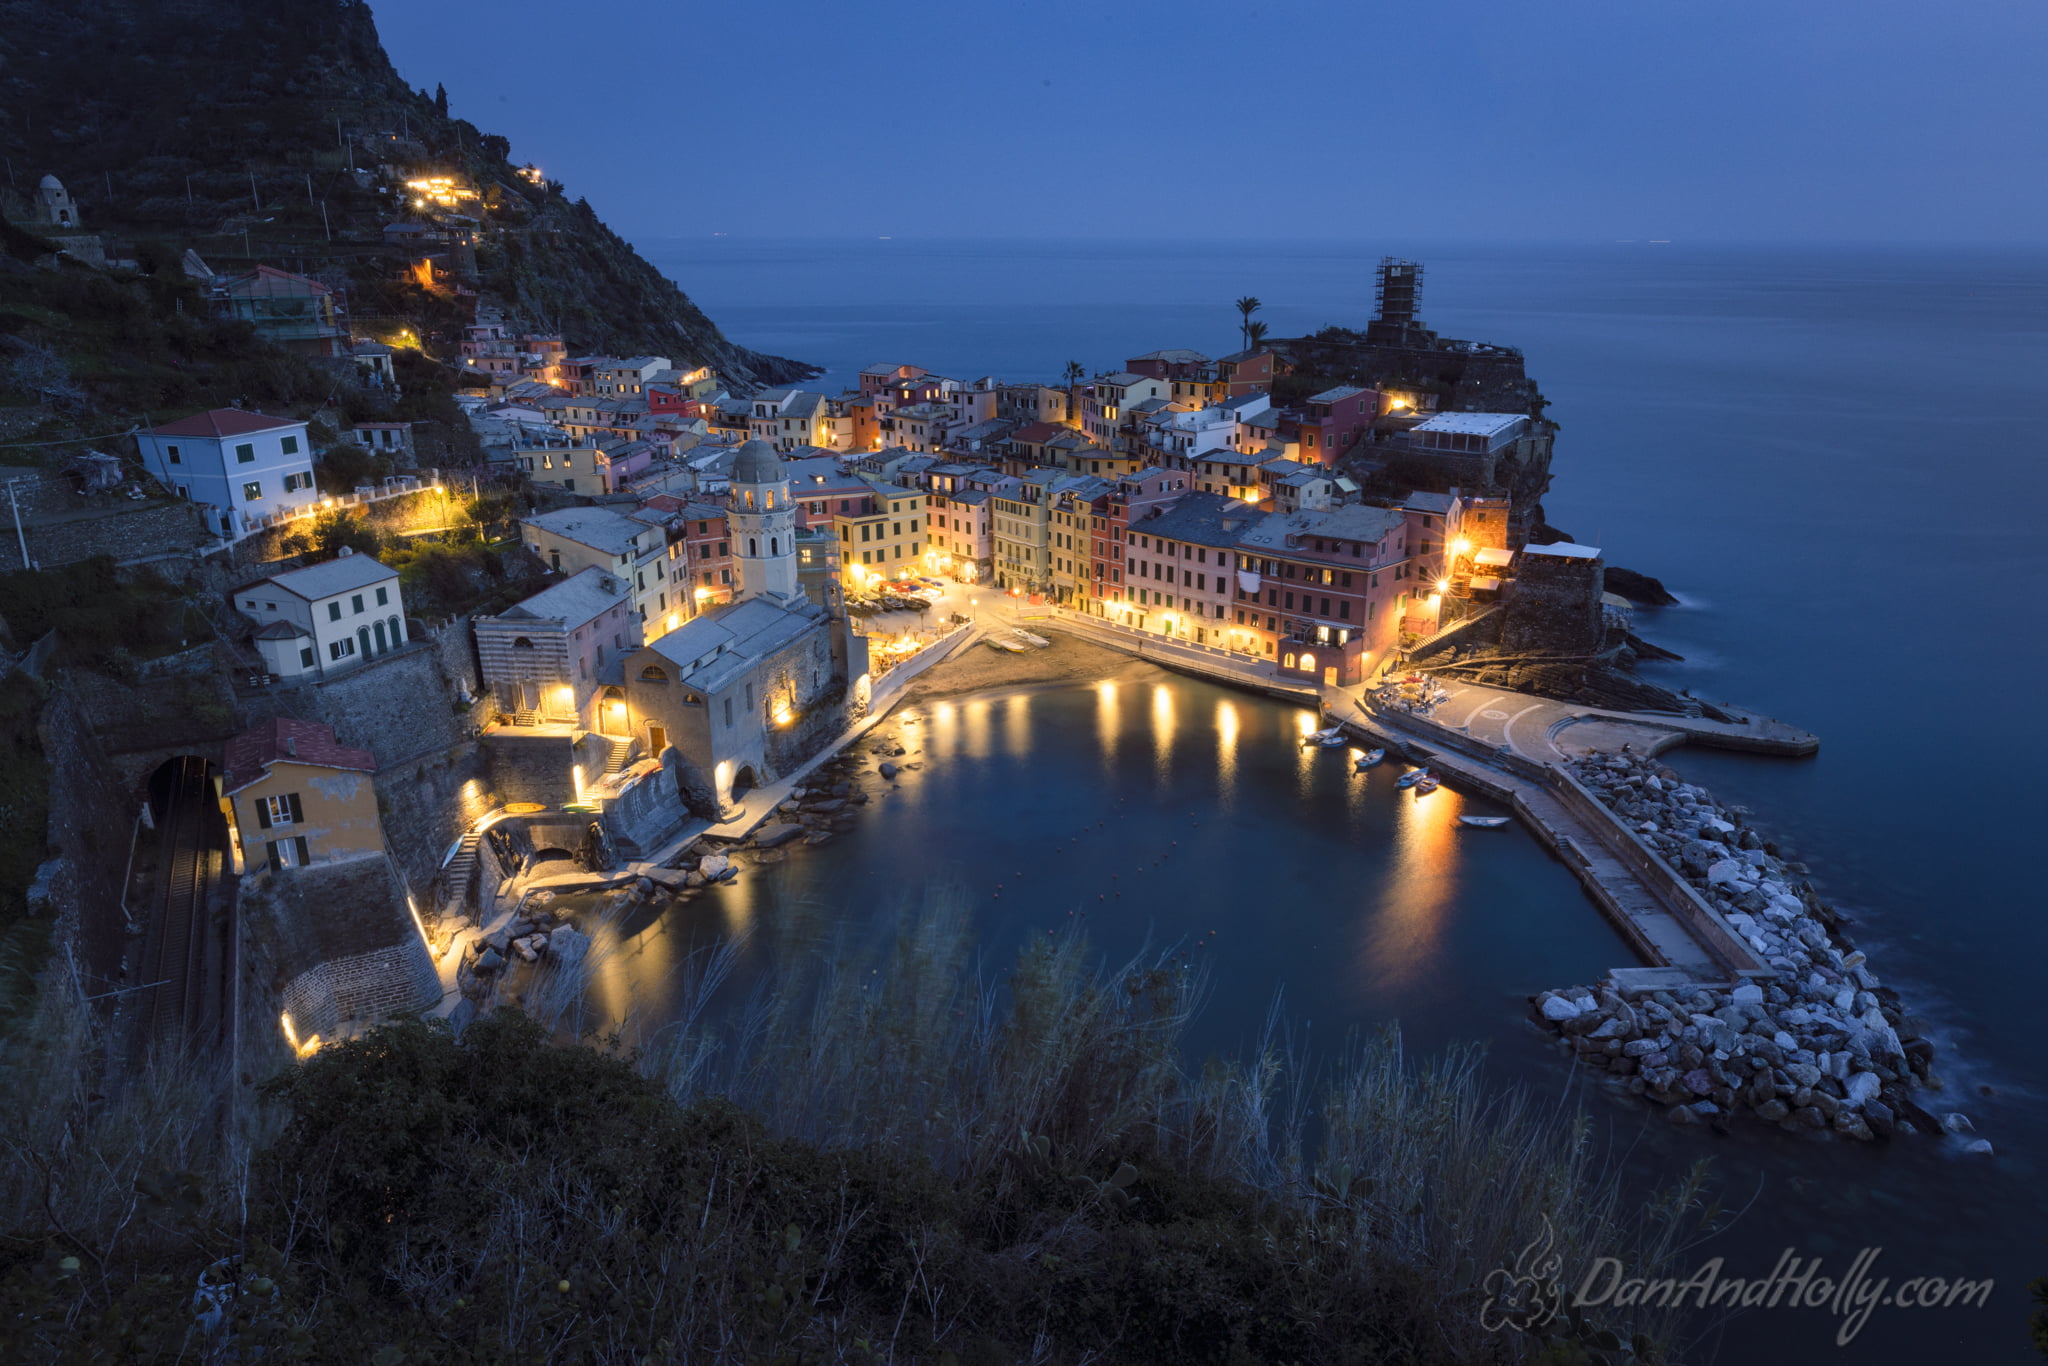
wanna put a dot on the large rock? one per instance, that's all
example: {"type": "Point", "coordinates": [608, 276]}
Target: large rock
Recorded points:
{"type": "Point", "coordinates": [768, 836]}
{"type": "Point", "coordinates": [1557, 1009]}
{"type": "Point", "coordinates": [714, 865]}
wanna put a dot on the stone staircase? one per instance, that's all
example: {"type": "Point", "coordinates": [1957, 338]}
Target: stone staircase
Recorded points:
{"type": "Point", "coordinates": [619, 752]}
{"type": "Point", "coordinates": [462, 869]}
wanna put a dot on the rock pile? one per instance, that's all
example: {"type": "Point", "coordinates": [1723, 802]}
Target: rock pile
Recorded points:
{"type": "Point", "coordinates": [1822, 1046]}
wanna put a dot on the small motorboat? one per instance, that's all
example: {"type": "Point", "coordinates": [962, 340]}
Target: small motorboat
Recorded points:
{"type": "Point", "coordinates": [1411, 777]}
{"type": "Point", "coordinates": [1371, 757]}
{"type": "Point", "coordinates": [1007, 646]}
{"type": "Point", "coordinates": [1326, 738]}
{"type": "Point", "coordinates": [1035, 642]}
{"type": "Point", "coordinates": [1483, 822]}
{"type": "Point", "coordinates": [1426, 786]}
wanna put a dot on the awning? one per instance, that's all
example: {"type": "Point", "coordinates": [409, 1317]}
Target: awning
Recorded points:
{"type": "Point", "coordinates": [1494, 557]}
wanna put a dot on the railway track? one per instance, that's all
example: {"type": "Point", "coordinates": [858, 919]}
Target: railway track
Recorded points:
{"type": "Point", "coordinates": [180, 954]}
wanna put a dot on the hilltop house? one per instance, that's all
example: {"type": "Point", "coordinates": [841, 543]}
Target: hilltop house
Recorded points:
{"type": "Point", "coordinates": [244, 466]}
{"type": "Point", "coordinates": [285, 309]}
{"type": "Point", "coordinates": [326, 617]}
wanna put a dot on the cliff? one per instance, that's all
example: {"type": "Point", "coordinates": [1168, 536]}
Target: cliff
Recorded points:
{"type": "Point", "coordinates": [254, 129]}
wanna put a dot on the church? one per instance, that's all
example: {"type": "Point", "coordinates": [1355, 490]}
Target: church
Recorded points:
{"type": "Point", "coordinates": [744, 693]}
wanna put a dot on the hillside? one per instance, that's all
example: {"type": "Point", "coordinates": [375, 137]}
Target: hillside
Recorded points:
{"type": "Point", "coordinates": [256, 129]}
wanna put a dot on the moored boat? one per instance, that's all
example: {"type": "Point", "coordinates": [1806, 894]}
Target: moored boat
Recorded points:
{"type": "Point", "coordinates": [1426, 786]}
{"type": "Point", "coordinates": [1411, 777]}
{"type": "Point", "coordinates": [1483, 822]}
{"type": "Point", "coordinates": [1371, 757]}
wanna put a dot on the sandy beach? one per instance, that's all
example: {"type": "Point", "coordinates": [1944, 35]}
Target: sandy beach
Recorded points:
{"type": "Point", "coordinates": [1067, 659]}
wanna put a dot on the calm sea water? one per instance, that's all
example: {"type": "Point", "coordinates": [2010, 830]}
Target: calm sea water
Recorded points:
{"type": "Point", "coordinates": [1833, 456]}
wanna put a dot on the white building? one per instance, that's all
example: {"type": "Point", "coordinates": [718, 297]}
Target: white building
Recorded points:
{"type": "Point", "coordinates": [244, 466]}
{"type": "Point", "coordinates": [326, 617]}
{"type": "Point", "coordinates": [631, 548]}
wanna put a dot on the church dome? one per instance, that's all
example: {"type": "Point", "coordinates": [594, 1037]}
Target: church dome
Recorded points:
{"type": "Point", "coordinates": [50, 182]}
{"type": "Point", "coordinates": [757, 463]}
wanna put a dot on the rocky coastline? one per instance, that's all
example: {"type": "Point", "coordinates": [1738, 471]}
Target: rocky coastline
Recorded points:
{"type": "Point", "coordinates": [1821, 1047]}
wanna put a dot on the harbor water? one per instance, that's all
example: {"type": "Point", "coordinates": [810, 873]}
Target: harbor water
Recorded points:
{"type": "Point", "coordinates": [1831, 455]}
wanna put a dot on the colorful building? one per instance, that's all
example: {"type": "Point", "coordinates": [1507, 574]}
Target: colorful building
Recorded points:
{"type": "Point", "coordinates": [297, 797]}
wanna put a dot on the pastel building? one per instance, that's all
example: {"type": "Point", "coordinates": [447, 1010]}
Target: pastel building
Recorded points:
{"type": "Point", "coordinates": [325, 618]}
{"type": "Point", "coordinates": [555, 659]}
{"type": "Point", "coordinates": [244, 467]}
{"type": "Point", "coordinates": [299, 798]}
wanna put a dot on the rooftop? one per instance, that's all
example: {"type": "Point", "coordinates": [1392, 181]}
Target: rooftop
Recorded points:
{"type": "Point", "coordinates": [344, 574]}
{"type": "Point", "coordinates": [711, 651]}
{"type": "Point", "coordinates": [1419, 501]}
{"type": "Point", "coordinates": [598, 528]}
{"type": "Point", "coordinates": [250, 754]}
{"type": "Point", "coordinates": [1470, 424]}
{"type": "Point", "coordinates": [1176, 355]}
{"type": "Point", "coordinates": [1563, 550]}
{"type": "Point", "coordinates": [1203, 519]}
{"type": "Point", "coordinates": [1352, 522]}
{"type": "Point", "coordinates": [583, 595]}
{"type": "Point", "coordinates": [1337, 395]}
{"type": "Point", "coordinates": [221, 422]}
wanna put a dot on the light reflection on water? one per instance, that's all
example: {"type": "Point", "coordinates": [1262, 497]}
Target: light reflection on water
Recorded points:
{"type": "Point", "coordinates": [1178, 814]}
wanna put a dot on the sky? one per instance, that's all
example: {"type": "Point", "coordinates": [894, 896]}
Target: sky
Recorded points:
{"type": "Point", "coordinates": [1690, 120]}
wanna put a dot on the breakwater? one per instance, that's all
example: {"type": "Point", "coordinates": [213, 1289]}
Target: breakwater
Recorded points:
{"type": "Point", "coordinates": [1819, 1046]}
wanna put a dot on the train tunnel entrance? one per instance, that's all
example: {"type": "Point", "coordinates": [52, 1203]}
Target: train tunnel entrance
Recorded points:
{"type": "Point", "coordinates": [187, 934]}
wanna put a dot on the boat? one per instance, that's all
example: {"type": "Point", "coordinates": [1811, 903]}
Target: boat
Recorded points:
{"type": "Point", "coordinates": [1426, 786]}
{"type": "Point", "coordinates": [1035, 642]}
{"type": "Point", "coordinates": [1333, 742]}
{"type": "Point", "coordinates": [1371, 757]}
{"type": "Point", "coordinates": [1483, 822]}
{"type": "Point", "coordinates": [1411, 777]}
{"type": "Point", "coordinates": [1326, 738]}
{"type": "Point", "coordinates": [1008, 646]}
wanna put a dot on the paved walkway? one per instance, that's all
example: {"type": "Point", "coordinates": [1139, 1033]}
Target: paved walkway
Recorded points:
{"type": "Point", "coordinates": [1546, 731]}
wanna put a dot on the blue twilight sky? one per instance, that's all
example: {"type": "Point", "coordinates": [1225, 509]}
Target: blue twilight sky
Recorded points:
{"type": "Point", "coordinates": [1596, 120]}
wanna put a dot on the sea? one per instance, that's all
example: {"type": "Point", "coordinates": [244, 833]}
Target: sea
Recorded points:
{"type": "Point", "coordinates": [1835, 456]}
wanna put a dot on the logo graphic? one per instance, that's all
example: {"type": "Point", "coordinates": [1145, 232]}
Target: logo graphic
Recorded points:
{"type": "Point", "coordinates": [1529, 1294]}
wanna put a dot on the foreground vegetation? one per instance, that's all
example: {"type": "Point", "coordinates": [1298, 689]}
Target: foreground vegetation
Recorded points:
{"type": "Point", "coordinates": [893, 1163]}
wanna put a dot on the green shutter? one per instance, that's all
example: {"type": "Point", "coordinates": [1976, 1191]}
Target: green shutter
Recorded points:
{"type": "Point", "coordinates": [298, 814]}
{"type": "Point", "coordinates": [262, 814]}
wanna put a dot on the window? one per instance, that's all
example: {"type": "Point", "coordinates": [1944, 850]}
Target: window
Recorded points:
{"type": "Point", "coordinates": [306, 658]}
{"type": "Point", "coordinates": [252, 492]}
{"type": "Point", "coordinates": [281, 810]}
{"type": "Point", "coordinates": [334, 611]}
{"type": "Point", "coordinates": [356, 604]}
{"type": "Point", "coordinates": [383, 597]}
{"type": "Point", "coordinates": [289, 445]}
{"type": "Point", "coordinates": [728, 711]}
{"type": "Point", "coordinates": [245, 454]}
{"type": "Point", "coordinates": [341, 649]}
{"type": "Point", "coordinates": [171, 453]}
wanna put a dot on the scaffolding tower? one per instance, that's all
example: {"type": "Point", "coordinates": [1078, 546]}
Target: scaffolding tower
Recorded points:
{"type": "Point", "coordinates": [1399, 293]}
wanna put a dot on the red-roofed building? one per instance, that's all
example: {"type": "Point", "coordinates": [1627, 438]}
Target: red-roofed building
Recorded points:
{"type": "Point", "coordinates": [297, 796]}
{"type": "Point", "coordinates": [247, 467]}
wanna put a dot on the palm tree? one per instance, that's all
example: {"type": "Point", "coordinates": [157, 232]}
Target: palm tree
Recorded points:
{"type": "Point", "coordinates": [1247, 306]}
{"type": "Point", "coordinates": [1254, 333]}
{"type": "Point", "coordinates": [1075, 373]}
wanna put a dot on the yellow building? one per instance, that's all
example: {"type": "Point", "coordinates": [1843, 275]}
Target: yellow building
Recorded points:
{"type": "Point", "coordinates": [885, 539]}
{"type": "Point", "coordinates": [297, 797]}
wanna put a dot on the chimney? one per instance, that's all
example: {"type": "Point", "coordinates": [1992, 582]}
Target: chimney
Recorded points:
{"type": "Point", "coordinates": [291, 745]}
{"type": "Point", "coordinates": [345, 550]}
